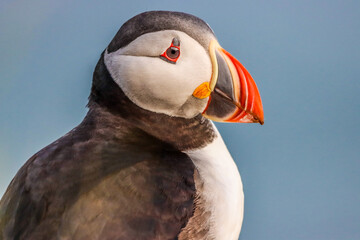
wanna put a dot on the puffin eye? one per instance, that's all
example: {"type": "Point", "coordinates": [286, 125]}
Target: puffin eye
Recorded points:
{"type": "Point", "coordinates": [172, 54]}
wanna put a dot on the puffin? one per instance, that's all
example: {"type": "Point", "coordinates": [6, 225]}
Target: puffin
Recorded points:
{"type": "Point", "coordinates": [146, 162]}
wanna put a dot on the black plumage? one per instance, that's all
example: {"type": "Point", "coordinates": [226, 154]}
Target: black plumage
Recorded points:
{"type": "Point", "coordinates": [120, 174]}
{"type": "Point", "coordinates": [158, 21]}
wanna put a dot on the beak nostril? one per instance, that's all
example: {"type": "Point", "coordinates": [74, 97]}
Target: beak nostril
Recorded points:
{"type": "Point", "coordinates": [222, 94]}
{"type": "Point", "coordinates": [226, 97]}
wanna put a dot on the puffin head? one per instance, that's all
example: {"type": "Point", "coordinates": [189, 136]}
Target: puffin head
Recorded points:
{"type": "Point", "coordinates": [171, 63]}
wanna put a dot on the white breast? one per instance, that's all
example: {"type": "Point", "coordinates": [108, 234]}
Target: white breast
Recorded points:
{"type": "Point", "coordinates": [222, 190]}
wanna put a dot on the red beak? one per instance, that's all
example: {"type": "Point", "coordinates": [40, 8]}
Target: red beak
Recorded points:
{"type": "Point", "coordinates": [248, 100]}
{"type": "Point", "coordinates": [235, 96]}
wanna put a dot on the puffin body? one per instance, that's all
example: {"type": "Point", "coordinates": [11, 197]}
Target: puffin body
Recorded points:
{"type": "Point", "coordinates": [146, 162]}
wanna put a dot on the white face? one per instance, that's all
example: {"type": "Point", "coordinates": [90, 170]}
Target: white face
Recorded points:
{"type": "Point", "coordinates": [158, 85]}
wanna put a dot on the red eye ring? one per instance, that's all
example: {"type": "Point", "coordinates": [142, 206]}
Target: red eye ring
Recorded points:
{"type": "Point", "coordinates": [171, 54]}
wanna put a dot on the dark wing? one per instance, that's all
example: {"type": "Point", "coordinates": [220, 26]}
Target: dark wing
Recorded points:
{"type": "Point", "coordinates": [13, 203]}
{"type": "Point", "coordinates": [20, 212]}
{"type": "Point", "coordinates": [149, 200]}
{"type": "Point", "coordinates": [90, 189]}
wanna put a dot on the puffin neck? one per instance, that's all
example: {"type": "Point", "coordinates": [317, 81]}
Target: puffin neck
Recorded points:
{"type": "Point", "coordinates": [181, 133]}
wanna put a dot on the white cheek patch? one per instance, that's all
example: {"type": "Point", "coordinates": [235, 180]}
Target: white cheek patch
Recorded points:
{"type": "Point", "coordinates": [142, 80]}
{"type": "Point", "coordinates": [155, 84]}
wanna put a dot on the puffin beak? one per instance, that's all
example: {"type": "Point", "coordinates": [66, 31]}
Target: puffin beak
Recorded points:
{"type": "Point", "coordinates": [233, 94]}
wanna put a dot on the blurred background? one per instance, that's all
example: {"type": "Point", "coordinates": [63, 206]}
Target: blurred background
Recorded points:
{"type": "Point", "coordinates": [301, 170]}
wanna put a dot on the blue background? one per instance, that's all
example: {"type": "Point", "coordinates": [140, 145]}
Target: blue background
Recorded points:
{"type": "Point", "coordinates": [301, 170]}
